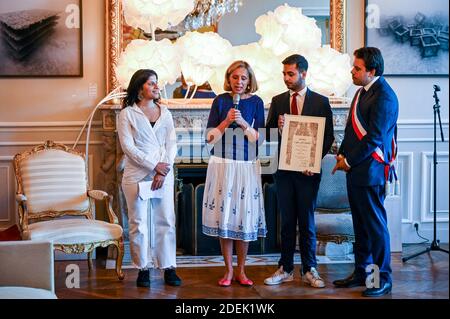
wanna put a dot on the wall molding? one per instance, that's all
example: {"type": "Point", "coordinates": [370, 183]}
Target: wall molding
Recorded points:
{"type": "Point", "coordinates": [62, 126]}
{"type": "Point", "coordinates": [35, 143]}
{"type": "Point", "coordinates": [426, 204]}
{"type": "Point", "coordinates": [6, 162]}
{"type": "Point", "coordinates": [7, 169]}
{"type": "Point", "coordinates": [46, 129]}
{"type": "Point", "coordinates": [419, 140]}
{"type": "Point", "coordinates": [414, 123]}
{"type": "Point", "coordinates": [407, 189]}
{"type": "Point", "coordinates": [400, 122]}
{"type": "Point", "coordinates": [47, 124]}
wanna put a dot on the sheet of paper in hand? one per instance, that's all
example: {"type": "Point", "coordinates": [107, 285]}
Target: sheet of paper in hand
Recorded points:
{"type": "Point", "coordinates": [302, 143]}
{"type": "Point", "coordinates": [145, 191]}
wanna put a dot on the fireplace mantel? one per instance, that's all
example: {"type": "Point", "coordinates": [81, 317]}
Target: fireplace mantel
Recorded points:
{"type": "Point", "coordinates": [190, 118]}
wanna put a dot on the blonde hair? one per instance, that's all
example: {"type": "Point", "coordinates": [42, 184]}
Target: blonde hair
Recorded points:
{"type": "Point", "coordinates": [252, 84]}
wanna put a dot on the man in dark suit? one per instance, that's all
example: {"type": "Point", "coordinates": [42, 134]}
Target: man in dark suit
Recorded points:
{"type": "Point", "coordinates": [297, 191]}
{"type": "Point", "coordinates": [366, 154]}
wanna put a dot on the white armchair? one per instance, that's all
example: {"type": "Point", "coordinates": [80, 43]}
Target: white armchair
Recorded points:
{"type": "Point", "coordinates": [26, 270]}
{"type": "Point", "coordinates": [52, 183]}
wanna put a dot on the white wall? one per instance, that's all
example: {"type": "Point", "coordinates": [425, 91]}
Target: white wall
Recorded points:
{"type": "Point", "coordinates": [415, 96]}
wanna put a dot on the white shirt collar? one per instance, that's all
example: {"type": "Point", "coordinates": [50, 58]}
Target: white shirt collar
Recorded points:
{"type": "Point", "coordinates": [136, 108]}
{"type": "Point", "coordinates": [367, 87]}
{"type": "Point", "coordinates": [301, 92]}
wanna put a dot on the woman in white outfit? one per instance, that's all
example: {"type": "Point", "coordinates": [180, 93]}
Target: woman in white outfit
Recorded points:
{"type": "Point", "coordinates": [233, 206]}
{"type": "Point", "coordinates": [148, 139]}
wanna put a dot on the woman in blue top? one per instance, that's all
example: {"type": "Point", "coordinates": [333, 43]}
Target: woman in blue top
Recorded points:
{"type": "Point", "coordinates": [233, 206]}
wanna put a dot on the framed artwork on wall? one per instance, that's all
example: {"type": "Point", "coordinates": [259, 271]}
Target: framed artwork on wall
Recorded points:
{"type": "Point", "coordinates": [41, 38]}
{"type": "Point", "coordinates": [411, 34]}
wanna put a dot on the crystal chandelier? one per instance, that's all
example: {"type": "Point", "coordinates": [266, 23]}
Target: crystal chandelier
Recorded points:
{"type": "Point", "coordinates": [209, 12]}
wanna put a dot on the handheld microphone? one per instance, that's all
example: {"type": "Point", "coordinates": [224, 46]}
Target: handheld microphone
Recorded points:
{"type": "Point", "coordinates": [236, 99]}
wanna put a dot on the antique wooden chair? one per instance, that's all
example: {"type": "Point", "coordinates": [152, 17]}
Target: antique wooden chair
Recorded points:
{"type": "Point", "coordinates": [52, 183]}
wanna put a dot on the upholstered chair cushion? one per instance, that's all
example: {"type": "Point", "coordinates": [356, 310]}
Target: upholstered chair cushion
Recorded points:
{"type": "Point", "coordinates": [73, 231]}
{"type": "Point", "coordinates": [333, 188]}
{"type": "Point", "coordinates": [334, 224]}
{"type": "Point", "coordinates": [333, 216]}
{"type": "Point", "coordinates": [54, 180]}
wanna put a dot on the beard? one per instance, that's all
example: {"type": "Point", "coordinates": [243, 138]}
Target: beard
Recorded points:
{"type": "Point", "coordinates": [293, 86]}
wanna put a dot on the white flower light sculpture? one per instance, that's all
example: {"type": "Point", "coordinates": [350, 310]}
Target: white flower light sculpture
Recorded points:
{"type": "Point", "coordinates": [151, 14]}
{"type": "Point", "coordinates": [161, 56]}
{"type": "Point", "coordinates": [217, 80]}
{"type": "Point", "coordinates": [265, 65]}
{"type": "Point", "coordinates": [202, 54]}
{"type": "Point", "coordinates": [205, 57]}
{"type": "Point", "coordinates": [287, 30]}
{"type": "Point", "coordinates": [267, 68]}
{"type": "Point", "coordinates": [329, 71]}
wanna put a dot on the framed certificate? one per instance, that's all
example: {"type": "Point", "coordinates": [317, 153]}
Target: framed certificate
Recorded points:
{"type": "Point", "coordinates": [301, 143]}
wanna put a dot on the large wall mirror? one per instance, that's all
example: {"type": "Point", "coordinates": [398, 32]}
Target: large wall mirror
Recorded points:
{"type": "Point", "coordinates": [330, 16]}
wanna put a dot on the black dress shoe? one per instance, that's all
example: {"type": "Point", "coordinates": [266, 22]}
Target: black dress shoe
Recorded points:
{"type": "Point", "coordinates": [351, 281]}
{"type": "Point", "coordinates": [171, 278]}
{"type": "Point", "coordinates": [143, 279]}
{"type": "Point", "coordinates": [385, 289]}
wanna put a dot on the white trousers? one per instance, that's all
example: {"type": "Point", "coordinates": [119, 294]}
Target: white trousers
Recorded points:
{"type": "Point", "coordinates": [145, 252]}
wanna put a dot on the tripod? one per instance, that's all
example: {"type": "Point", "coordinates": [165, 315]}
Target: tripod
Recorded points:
{"type": "Point", "coordinates": [435, 243]}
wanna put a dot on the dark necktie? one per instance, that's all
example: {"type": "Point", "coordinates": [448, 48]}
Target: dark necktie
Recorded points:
{"type": "Point", "coordinates": [361, 95]}
{"type": "Point", "coordinates": [294, 108]}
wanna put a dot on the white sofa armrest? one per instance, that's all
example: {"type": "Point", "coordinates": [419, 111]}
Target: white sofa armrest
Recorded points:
{"type": "Point", "coordinates": [27, 264]}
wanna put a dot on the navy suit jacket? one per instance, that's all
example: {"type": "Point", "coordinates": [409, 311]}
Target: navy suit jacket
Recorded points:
{"type": "Point", "coordinates": [314, 105]}
{"type": "Point", "coordinates": [379, 109]}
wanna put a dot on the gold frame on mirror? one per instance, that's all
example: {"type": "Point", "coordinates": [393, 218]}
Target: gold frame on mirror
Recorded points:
{"type": "Point", "coordinates": [114, 39]}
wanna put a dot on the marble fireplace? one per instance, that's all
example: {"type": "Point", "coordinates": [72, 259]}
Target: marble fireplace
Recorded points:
{"type": "Point", "coordinates": [190, 119]}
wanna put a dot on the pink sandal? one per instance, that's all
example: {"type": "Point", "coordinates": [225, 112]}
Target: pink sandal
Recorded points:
{"type": "Point", "coordinates": [247, 282]}
{"type": "Point", "coordinates": [224, 282]}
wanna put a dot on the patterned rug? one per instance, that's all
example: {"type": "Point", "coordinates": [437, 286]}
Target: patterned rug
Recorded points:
{"type": "Point", "coordinates": [252, 260]}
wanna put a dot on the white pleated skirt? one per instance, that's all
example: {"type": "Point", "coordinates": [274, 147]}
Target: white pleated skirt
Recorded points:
{"type": "Point", "coordinates": [233, 203]}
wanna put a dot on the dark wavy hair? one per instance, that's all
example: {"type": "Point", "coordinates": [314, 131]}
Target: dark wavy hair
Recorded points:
{"type": "Point", "coordinates": [372, 59]}
{"type": "Point", "coordinates": [137, 81]}
{"type": "Point", "coordinates": [297, 59]}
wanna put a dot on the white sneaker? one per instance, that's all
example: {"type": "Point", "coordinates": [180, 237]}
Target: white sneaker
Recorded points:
{"type": "Point", "coordinates": [279, 277]}
{"type": "Point", "coordinates": [312, 277]}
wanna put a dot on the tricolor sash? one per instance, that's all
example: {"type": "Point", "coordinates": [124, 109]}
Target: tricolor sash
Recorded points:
{"type": "Point", "coordinates": [360, 129]}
